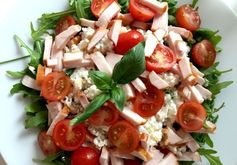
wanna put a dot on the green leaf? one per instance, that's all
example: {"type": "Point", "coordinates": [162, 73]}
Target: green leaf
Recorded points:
{"type": "Point", "coordinates": [16, 75]}
{"type": "Point", "coordinates": [218, 87]}
{"type": "Point", "coordinates": [209, 155]}
{"type": "Point", "coordinates": [36, 106]}
{"type": "Point", "coordinates": [40, 118]}
{"type": "Point", "coordinates": [94, 105]}
{"type": "Point", "coordinates": [124, 5]}
{"type": "Point", "coordinates": [208, 140]}
{"type": "Point", "coordinates": [69, 72]}
{"type": "Point", "coordinates": [19, 88]}
{"type": "Point", "coordinates": [130, 66]}
{"type": "Point", "coordinates": [194, 2]}
{"type": "Point", "coordinates": [102, 80]}
{"type": "Point", "coordinates": [118, 97]}
{"type": "Point", "coordinates": [205, 33]}
{"type": "Point", "coordinates": [186, 162]}
{"type": "Point", "coordinates": [83, 9]}
{"type": "Point", "coordinates": [14, 59]}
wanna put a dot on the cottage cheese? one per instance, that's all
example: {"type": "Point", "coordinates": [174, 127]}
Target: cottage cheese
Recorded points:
{"type": "Point", "coordinates": [171, 78]}
{"type": "Point", "coordinates": [100, 134]}
{"type": "Point", "coordinates": [80, 79]}
{"type": "Point", "coordinates": [91, 92]}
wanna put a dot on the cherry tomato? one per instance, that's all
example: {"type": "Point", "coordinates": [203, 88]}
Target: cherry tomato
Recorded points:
{"type": "Point", "coordinates": [203, 54]}
{"type": "Point", "coordinates": [132, 162]}
{"type": "Point", "coordinates": [106, 115]}
{"type": "Point", "coordinates": [98, 6]}
{"type": "Point", "coordinates": [46, 143]}
{"type": "Point", "coordinates": [124, 136]}
{"type": "Point", "coordinates": [85, 156]}
{"type": "Point", "coordinates": [55, 86]}
{"type": "Point", "coordinates": [162, 59]}
{"type": "Point", "coordinates": [64, 23]}
{"type": "Point", "coordinates": [139, 11]}
{"type": "Point", "coordinates": [127, 41]}
{"type": "Point", "coordinates": [188, 18]}
{"type": "Point", "coordinates": [149, 102]}
{"type": "Point", "coordinates": [68, 137]}
{"type": "Point", "coordinates": [191, 116]}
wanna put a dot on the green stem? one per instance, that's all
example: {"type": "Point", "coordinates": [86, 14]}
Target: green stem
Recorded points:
{"type": "Point", "coordinates": [15, 59]}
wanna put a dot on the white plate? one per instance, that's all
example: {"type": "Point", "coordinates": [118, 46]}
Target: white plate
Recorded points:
{"type": "Point", "coordinates": [18, 146]}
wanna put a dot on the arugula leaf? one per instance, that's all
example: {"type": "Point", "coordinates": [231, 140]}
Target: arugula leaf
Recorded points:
{"type": "Point", "coordinates": [130, 66]}
{"type": "Point", "coordinates": [94, 105]}
{"type": "Point", "coordinates": [16, 75]}
{"type": "Point", "coordinates": [194, 2]}
{"type": "Point", "coordinates": [186, 162]}
{"type": "Point", "coordinates": [118, 97]}
{"type": "Point", "coordinates": [209, 154]}
{"type": "Point", "coordinates": [219, 86]}
{"type": "Point", "coordinates": [15, 59]}
{"type": "Point", "coordinates": [101, 80]}
{"type": "Point", "coordinates": [83, 9]}
{"type": "Point", "coordinates": [19, 88]}
{"type": "Point", "coordinates": [40, 119]}
{"type": "Point", "coordinates": [69, 72]}
{"type": "Point", "coordinates": [36, 106]}
{"type": "Point", "coordinates": [124, 5]}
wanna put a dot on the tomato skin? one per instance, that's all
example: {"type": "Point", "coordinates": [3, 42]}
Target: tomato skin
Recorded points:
{"type": "Point", "coordinates": [191, 116]}
{"type": "Point", "coordinates": [85, 156]}
{"type": "Point", "coordinates": [127, 41]}
{"type": "Point", "coordinates": [55, 86]}
{"type": "Point", "coordinates": [98, 6]}
{"type": "Point", "coordinates": [132, 162]}
{"type": "Point", "coordinates": [108, 114]}
{"type": "Point", "coordinates": [203, 54]}
{"type": "Point", "coordinates": [69, 138]}
{"type": "Point", "coordinates": [188, 18]}
{"type": "Point", "coordinates": [64, 23]}
{"type": "Point", "coordinates": [124, 136]}
{"type": "Point", "coordinates": [162, 59]}
{"type": "Point", "coordinates": [140, 12]}
{"type": "Point", "coordinates": [46, 143]}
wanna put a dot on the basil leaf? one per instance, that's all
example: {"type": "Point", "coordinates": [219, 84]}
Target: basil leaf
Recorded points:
{"type": "Point", "coordinates": [94, 105]}
{"type": "Point", "coordinates": [40, 119]}
{"type": "Point", "coordinates": [118, 97]}
{"type": "Point", "coordinates": [208, 153]}
{"type": "Point", "coordinates": [16, 75]}
{"type": "Point", "coordinates": [101, 80]}
{"type": "Point", "coordinates": [130, 66]}
{"type": "Point", "coordinates": [219, 86]}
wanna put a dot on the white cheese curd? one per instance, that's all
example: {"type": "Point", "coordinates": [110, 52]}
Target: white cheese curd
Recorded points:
{"type": "Point", "coordinates": [178, 150]}
{"type": "Point", "coordinates": [104, 45]}
{"type": "Point", "coordinates": [87, 33]}
{"type": "Point", "coordinates": [171, 78]}
{"type": "Point", "coordinates": [83, 44]}
{"type": "Point", "coordinates": [91, 92]}
{"type": "Point", "coordinates": [100, 134]}
{"type": "Point", "coordinates": [153, 129]}
{"type": "Point", "coordinates": [80, 79]}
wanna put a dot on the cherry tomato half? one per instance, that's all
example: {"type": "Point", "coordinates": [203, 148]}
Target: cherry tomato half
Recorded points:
{"type": "Point", "coordinates": [108, 114]}
{"type": "Point", "coordinates": [55, 86]}
{"type": "Point", "coordinates": [149, 102]}
{"type": "Point", "coordinates": [162, 59]}
{"type": "Point", "coordinates": [127, 41]}
{"type": "Point", "coordinates": [124, 136]}
{"type": "Point", "coordinates": [191, 116]}
{"type": "Point", "coordinates": [69, 138]}
{"type": "Point", "coordinates": [64, 23]}
{"type": "Point", "coordinates": [46, 143]}
{"type": "Point", "coordinates": [98, 6]}
{"type": "Point", "coordinates": [85, 156]}
{"type": "Point", "coordinates": [188, 18]}
{"type": "Point", "coordinates": [139, 11]}
{"type": "Point", "coordinates": [203, 54]}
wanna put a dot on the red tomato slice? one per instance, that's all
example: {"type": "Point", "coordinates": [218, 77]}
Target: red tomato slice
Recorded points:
{"type": "Point", "coordinates": [203, 54]}
{"type": "Point", "coordinates": [124, 136]}
{"type": "Point", "coordinates": [46, 143]}
{"type": "Point", "coordinates": [140, 12]}
{"type": "Point", "coordinates": [85, 156]}
{"type": "Point", "coordinates": [106, 115]}
{"type": "Point", "coordinates": [64, 23]}
{"type": "Point", "coordinates": [55, 86]}
{"type": "Point", "coordinates": [132, 162]}
{"type": "Point", "coordinates": [127, 41]}
{"type": "Point", "coordinates": [191, 116]}
{"type": "Point", "coordinates": [188, 18]}
{"type": "Point", "coordinates": [162, 59]}
{"type": "Point", "coordinates": [98, 6]}
{"type": "Point", "coordinates": [149, 102]}
{"type": "Point", "coordinates": [69, 138]}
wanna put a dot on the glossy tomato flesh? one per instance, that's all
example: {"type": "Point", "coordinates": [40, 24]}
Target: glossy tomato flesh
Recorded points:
{"type": "Point", "coordinates": [85, 156]}
{"type": "Point", "coordinates": [191, 116]}
{"type": "Point", "coordinates": [127, 41]}
{"type": "Point", "coordinates": [188, 18]}
{"type": "Point", "coordinates": [64, 23]}
{"type": "Point", "coordinates": [46, 143]}
{"type": "Point", "coordinates": [203, 54]}
{"type": "Point", "coordinates": [139, 11]}
{"type": "Point", "coordinates": [108, 114]}
{"type": "Point", "coordinates": [55, 86]}
{"type": "Point", "coordinates": [69, 138]}
{"type": "Point", "coordinates": [162, 59]}
{"type": "Point", "coordinates": [98, 6]}
{"type": "Point", "coordinates": [149, 102]}
{"type": "Point", "coordinates": [124, 136]}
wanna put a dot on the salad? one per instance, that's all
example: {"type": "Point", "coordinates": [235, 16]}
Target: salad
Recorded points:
{"type": "Point", "coordinates": [122, 82]}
